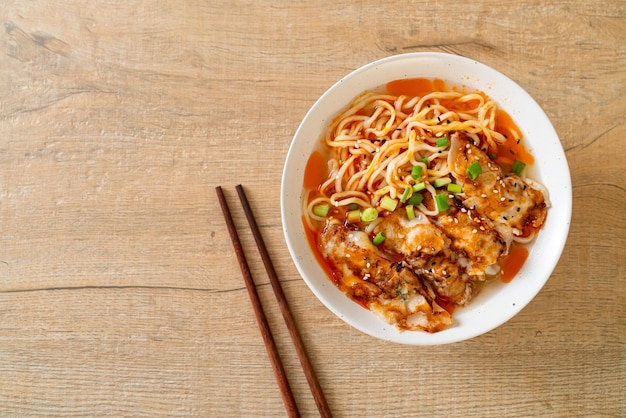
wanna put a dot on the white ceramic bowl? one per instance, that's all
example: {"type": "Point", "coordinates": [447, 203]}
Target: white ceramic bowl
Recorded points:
{"type": "Point", "coordinates": [498, 302]}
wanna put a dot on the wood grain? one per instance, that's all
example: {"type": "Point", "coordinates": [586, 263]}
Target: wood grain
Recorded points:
{"type": "Point", "coordinates": [119, 291]}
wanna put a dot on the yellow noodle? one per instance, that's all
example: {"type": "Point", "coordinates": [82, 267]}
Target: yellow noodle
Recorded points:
{"type": "Point", "coordinates": [377, 140]}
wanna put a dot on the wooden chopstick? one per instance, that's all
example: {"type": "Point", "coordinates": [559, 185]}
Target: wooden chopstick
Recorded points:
{"type": "Point", "coordinates": [307, 367]}
{"type": "Point", "coordinates": [266, 333]}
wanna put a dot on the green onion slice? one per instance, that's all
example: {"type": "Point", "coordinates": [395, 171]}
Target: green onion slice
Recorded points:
{"type": "Point", "coordinates": [410, 212]}
{"type": "Point", "coordinates": [474, 170]}
{"type": "Point", "coordinates": [405, 195]}
{"type": "Point", "coordinates": [455, 188]}
{"type": "Point", "coordinates": [321, 210]}
{"type": "Point", "coordinates": [442, 181]}
{"type": "Point", "coordinates": [388, 203]}
{"type": "Point", "coordinates": [415, 199]}
{"type": "Point", "coordinates": [518, 167]}
{"type": "Point", "coordinates": [416, 172]}
{"type": "Point", "coordinates": [379, 238]}
{"type": "Point", "coordinates": [419, 186]}
{"type": "Point", "coordinates": [369, 215]}
{"type": "Point", "coordinates": [442, 142]}
{"type": "Point", "coordinates": [441, 200]}
{"type": "Point", "coordinates": [354, 216]}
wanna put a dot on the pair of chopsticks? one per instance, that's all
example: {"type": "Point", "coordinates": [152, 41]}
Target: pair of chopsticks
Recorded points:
{"type": "Point", "coordinates": [270, 345]}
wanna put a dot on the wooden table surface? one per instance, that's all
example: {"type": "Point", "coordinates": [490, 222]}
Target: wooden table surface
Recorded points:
{"type": "Point", "coordinates": [119, 291]}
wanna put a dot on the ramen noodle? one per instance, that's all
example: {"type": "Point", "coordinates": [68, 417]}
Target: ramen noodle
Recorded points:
{"type": "Point", "coordinates": [419, 198]}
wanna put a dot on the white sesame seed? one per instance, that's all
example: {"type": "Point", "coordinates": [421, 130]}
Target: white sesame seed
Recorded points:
{"type": "Point", "coordinates": [502, 199]}
{"type": "Point", "coordinates": [474, 231]}
{"type": "Point", "coordinates": [483, 195]}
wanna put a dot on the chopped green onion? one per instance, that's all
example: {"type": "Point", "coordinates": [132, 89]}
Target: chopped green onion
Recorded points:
{"type": "Point", "coordinates": [419, 186]}
{"type": "Point", "coordinates": [425, 161]}
{"type": "Point", "coordinates": [416, 172]}
{"type": "Point", "coordinates": [410, 212]}
{"type": "Point", "coordinates": [405, 195]}
{"type": "Point", "coordinates": [379, 238]}
{"type": "Point", "coordinates": [442, 201]}
{"type": "Point", "coordinates": [369, 215]}
{"type": "Point", "coordinates": [455, 188]}
{"type": "Point", "coordinates": [353, 206]}
{"type": "Point", "coordinates": [415, 199]}
{"type": "Point", "coordinates": [518, 167]}
{"type": "Point", "coordinates": [354, 216]}
{"type": "Point", "coordinates": [474, 170]}
{"type": "Point", "coordinates": [321, 210]}
{"type": "Point", "coordinates": [442, 181]}
{"type": "Point", "coordinates": [442, 142]}
{"type": "Point", "coordinates": [388, 203]}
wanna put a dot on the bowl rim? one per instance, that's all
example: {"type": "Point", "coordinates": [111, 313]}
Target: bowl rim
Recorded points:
{"type": "Point", "coordinates": [551, 169]}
